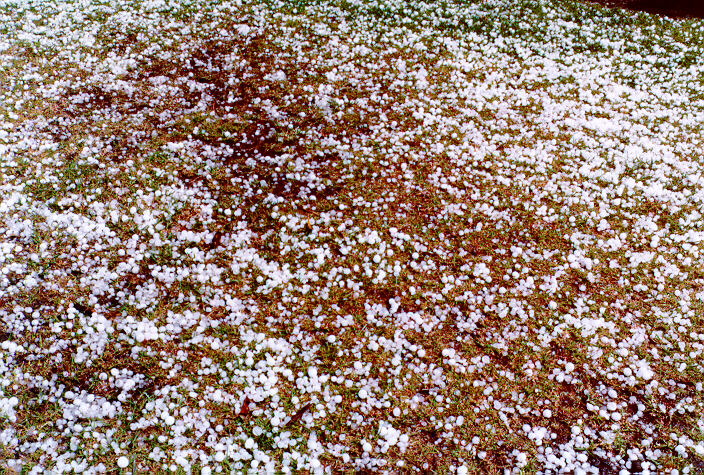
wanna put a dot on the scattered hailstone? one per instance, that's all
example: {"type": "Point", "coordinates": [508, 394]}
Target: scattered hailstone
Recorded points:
{"type": "Point", "coordinates": [644, 371]}
{"type": "Point", "coordinates": [169, 420]}
{"type": "Point", "coordinates": [388, 433]}
{"type": "Point", "coordinates": [482, 272]}
{"type": "Point", "coordinates": [88, 40]}
{"type": "Point", "coordinates": [7, 408]}
{"type": "Point", "coordinates": [278, 76]}
{"type": "Point", "coordinates": [123, 462]}
{"type": "Point", "coordinates": [521, 458]}
{"type": "Point", "coordinates": [243, 29]}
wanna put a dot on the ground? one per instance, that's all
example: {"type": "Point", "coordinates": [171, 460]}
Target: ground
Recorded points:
{"type": "Point", "coordinates": [317, 236]}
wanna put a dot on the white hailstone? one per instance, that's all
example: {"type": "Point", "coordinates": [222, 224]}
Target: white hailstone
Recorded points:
{"type": "Point", "coordinates": [552, 305]}
{"type": "Point", "coordinates": [331, 338]}
{"type": "Point", "coordinates": [397, 412]}
{"type": "Point", "coordinates": [219, 456]}
{"type": "Point", "coordinates": [616, 416]}
{"type": "Point", "coordinates": [366, 446]}
{"type": "Point", "coordinates": [313, 372]}
{"type": "Point", "coordinates": [547, 413]}
{"type": "Point", "coordinates": [363, 394]}
{"type": "Point", "coordinates": [569, 367]}
{"type": "Point", "coordinates": [7, 408]}
{"type": "Point", "coordinates": [463, 470]}
{"type": "Point", "coordinates": [481, 271]}
{"type": "Point", "coordinates": [205, 471]}
{"type": "Point", "coordinates": [278, 76]}
{"type": "Point", "coordinates": [377, 258]}
{"type": "Point", "coordinates": [243, 29]}
{"type": "Point", "coordinates": [644, 371]}
{"type": "Point", "coordinates": [123, 462]}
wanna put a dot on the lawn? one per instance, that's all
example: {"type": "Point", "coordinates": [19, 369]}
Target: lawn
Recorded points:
{"type": "Point", "coordinates": [350, 235]}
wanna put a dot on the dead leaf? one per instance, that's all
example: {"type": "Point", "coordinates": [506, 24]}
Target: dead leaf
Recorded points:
{"type": "Point", "coordinates": [244, 410]}
{"type": "Point", "coordinates": [297, 416]}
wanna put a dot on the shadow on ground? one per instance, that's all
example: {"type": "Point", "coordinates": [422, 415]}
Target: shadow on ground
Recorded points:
{"type": "Point", "coordinates": [673, 8]}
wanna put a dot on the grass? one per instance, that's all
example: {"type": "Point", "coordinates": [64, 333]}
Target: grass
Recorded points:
{"type": "Point", "coordinates": [335, 236]}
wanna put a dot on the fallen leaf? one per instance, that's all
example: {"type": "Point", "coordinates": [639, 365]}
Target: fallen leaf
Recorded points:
{"type": "Point", "coordinates": [297, 416]}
